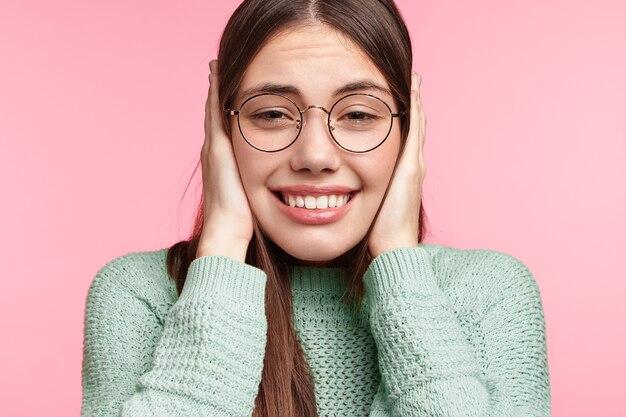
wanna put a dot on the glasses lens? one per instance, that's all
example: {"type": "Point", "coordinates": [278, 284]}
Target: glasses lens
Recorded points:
{"type": "Point", "coordinates": [269, 122]}
{"type": "Point", "coordinates": [360, 122]}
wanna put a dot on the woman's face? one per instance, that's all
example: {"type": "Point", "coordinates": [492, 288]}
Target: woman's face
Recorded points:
{"type": "Point", "coordinates": [309, 65]}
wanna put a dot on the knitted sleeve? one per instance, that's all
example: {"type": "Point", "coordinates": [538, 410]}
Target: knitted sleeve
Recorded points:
{"type": "Point", "coordinates": [428, 367]}
{"type": "Point", "coordinates": [207, 360]}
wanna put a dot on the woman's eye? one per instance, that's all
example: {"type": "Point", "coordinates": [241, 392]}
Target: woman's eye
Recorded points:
{"type": "Point", "coordinates": [270, 114]}
{"type": "Point", "coordinates": [358, 115]}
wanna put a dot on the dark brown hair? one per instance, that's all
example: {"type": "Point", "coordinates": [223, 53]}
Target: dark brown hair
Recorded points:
{"type": "Point", "coordinates": [376, 26]}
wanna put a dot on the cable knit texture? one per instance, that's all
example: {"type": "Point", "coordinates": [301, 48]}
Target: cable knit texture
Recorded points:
{"type": "Point", "coordinates": [442, 332]}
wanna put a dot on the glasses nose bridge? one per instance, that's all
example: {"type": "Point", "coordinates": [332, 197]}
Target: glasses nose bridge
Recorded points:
{"type": "Point", "coordinates": [312, 106]}
{"type": "Point", "coordinates": [315, 106]}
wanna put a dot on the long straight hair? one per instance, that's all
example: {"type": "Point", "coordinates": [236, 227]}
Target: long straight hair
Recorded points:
{"type": "Point", "coordinates": [376, 26]}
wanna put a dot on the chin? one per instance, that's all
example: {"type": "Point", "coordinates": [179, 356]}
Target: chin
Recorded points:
{"type": "Point", "coordinates": [313, 248]}
{"type": "Point", "coordinates": [313, 244]}
{"type": "Point", "coordinates": [313, 251]}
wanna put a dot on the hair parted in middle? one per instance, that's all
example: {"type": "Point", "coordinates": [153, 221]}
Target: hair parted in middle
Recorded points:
{"type": "Point", "coordinates": [377, 27]}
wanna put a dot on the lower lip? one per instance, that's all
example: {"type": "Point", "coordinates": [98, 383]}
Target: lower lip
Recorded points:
{"type": "Point", "coordinates": [315, 216]}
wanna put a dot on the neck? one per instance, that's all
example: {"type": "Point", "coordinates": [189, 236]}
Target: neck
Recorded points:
{"type": "Point", "coordinates": [315, 264]}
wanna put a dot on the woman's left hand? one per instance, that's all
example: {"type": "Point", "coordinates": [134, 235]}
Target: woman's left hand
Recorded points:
{"type": "Point", "coordinates": [398, 221]}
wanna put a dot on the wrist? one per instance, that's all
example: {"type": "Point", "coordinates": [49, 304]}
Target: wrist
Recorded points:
{"type": "Point", "coordinates": [232, 249]}
{"type": "Point", "coordinates": [376, 250]}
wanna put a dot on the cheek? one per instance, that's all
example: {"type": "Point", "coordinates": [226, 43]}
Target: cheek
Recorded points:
{"type": "Point", "coordinates": [255, 167]}
{"type": "Point", "coordinates": [374, 174]}
{"type": "Point", "coordinates": [244, 156]}
{"type": "Point", "coordinates": [378, 167]}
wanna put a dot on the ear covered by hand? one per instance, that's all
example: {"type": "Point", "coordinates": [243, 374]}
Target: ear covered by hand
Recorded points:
{"type": "Point", "coordinates": [397, 223]}
{"type": "Point", "coordinates": [228, 225]}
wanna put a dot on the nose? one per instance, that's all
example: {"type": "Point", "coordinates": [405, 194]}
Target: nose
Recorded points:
{"type": "Point", "coordinates": [315, 150]}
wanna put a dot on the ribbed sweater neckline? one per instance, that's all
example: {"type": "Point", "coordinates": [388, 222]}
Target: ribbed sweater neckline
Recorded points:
{"type": "Point", "coordinates": [318, 279]}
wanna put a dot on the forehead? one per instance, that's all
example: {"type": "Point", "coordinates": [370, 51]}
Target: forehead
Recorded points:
{"type": "Point", "coordinates": [315, 59]}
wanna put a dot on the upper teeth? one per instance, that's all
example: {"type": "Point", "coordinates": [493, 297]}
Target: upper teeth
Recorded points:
{"type": "Point", "coordinates": [311, 202]}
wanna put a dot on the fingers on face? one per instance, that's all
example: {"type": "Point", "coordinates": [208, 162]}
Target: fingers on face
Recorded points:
{"type": "Point", "coordinates": [417, 129]}
{"type": "Point", "coordinates": [422, 115]}
{"type": "Point", "coordinates": [212, 80]}
{"type": "Point", "coordinates": [420, 108]}
{"type": "Point", "coordinates": [212, 110]}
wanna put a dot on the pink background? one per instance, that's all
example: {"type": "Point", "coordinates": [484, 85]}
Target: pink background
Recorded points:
{"type": "Point", "coordinates": [101, 109]}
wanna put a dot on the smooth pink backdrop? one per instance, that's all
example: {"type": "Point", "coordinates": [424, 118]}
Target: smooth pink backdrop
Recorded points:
{"type": "Point", "coordinates": [101, 109]}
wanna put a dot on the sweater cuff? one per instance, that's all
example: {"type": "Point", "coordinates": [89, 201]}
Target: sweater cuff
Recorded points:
{"type": "Point", "coordinates": [400, 270]}
{"type": "Point", "coordinates": [224, 279]}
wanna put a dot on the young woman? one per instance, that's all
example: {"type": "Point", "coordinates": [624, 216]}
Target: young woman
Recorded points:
{"type": "Point", "coordinates": [306, 289]}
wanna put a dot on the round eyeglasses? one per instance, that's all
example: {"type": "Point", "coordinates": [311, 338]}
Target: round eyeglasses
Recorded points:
{"type": "Point", "coordinates": [357, 122]}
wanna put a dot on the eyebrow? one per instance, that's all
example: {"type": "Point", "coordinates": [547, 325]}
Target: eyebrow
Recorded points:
{"type": "Point", "coordinates": [290, 89]}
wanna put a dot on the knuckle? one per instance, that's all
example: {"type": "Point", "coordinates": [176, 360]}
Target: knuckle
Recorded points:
{"type": "Point", "coordinates": [212, 158]}
{"type": "Point", "coordinates": [411, 172]}
{"type": "Point", "coordinates": [204, 154]}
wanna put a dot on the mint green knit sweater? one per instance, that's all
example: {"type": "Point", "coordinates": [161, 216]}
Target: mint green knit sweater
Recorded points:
{"type": "Point", "coordinates": [444, 332]}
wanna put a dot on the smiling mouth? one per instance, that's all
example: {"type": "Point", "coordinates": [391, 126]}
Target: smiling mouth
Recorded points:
{"type": "Point", "coordinates": [314, 201]}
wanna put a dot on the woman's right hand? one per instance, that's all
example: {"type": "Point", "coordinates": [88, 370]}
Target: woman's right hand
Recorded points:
{"type": "Point", "coordinates": [228, 226]}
